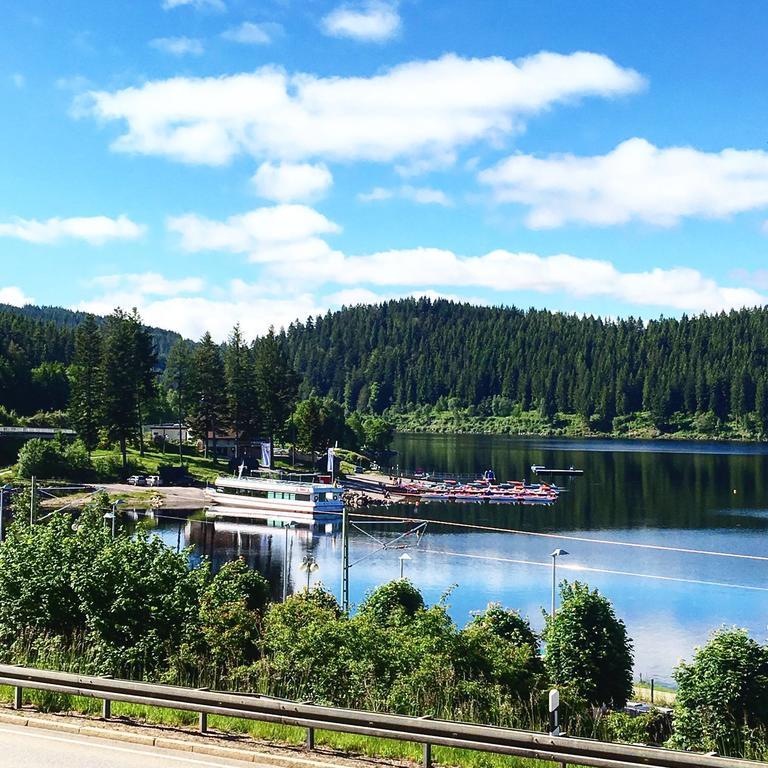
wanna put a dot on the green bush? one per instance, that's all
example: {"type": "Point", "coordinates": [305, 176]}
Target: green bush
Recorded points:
{"type": "Point", "coordinates": [502, 648]}
{"type": "Point", "coordinates": [588, 650]}
{"type": "Point", "coordinates": [722, 695]}
{"type": "Point", "coordinates": [392, 602]}
{"type": "Point", "coordinates": [231, 607]}
{"type": "Point", "coordinates": [654, 727]}
{"type": "Point", "coordinates": [54, 459]}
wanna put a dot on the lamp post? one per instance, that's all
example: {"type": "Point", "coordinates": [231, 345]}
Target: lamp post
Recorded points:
{"type": "Point", "coordinates": [405, 556]}
{"type": "Point", "coordinates": [309, 564]}
{"type": "Point", "coordinates": [113, 515]}
{"type": "Point", "coordinates": [3, 489]}
{"type": "Point", "coordinates": [285, 561]}
{"type": "Point", "coordinates": [557, 553]}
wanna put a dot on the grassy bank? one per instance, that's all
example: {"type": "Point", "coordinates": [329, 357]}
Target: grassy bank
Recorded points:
{"type": "Point", "coordinates": [351, 744]}
{"type": "Point", "coordinates": [531, 423]}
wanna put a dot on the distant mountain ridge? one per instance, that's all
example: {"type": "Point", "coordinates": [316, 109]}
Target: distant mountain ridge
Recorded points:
{"type": "Point", "coordinates": [71, 318]}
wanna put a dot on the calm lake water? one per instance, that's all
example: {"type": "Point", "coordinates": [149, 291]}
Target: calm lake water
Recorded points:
{"type": "Point", "coordinates": [700, 496]}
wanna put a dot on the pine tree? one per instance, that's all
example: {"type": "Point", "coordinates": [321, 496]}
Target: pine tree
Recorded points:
{"type": "Point", "coordinates": [242, 403]}
{"type": "Point", "coordinates": [761, 404]}
{"type": "Point", "coordinates": [277, 382]}
{"type": "Point", "coordinates": [178, 378]}
{"type": "Point", "coordinates": [209, 408]}
{"type": "Point", "coordinates": [118, 376]}
{"type": "Point", "coordinates": [144, 364]}
{"type": "Point", "coordinates": [85, 392]}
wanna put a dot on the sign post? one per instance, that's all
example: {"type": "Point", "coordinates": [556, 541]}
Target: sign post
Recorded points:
{"type": "Point", "coordinates": [554, 715]}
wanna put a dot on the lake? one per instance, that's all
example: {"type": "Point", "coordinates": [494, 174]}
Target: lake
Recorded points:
{"type": "Point", "coordinates": [698, 496]}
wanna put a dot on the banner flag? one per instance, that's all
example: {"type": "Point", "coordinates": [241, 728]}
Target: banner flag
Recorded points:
{"type": "Point", "coordinates": [330, 460]}
{"type": "Point", "coordinates": [266, 455]}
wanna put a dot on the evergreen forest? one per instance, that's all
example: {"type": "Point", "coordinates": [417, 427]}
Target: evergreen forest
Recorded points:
{"type": "Point", "coordinates": [411, 356]}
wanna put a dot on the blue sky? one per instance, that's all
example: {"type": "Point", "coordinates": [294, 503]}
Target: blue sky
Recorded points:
{"type": "Point", "coordinates": [222, 161]}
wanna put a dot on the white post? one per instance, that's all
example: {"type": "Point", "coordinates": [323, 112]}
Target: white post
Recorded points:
{"type": "Point", "coordinates": [32, 503]}
{"type": "Point", "coordinates": [554, 583]}
{"type": "Point", "coordinates": [285, 566]}
{"type": "Point", "coordinates": [554, 715]}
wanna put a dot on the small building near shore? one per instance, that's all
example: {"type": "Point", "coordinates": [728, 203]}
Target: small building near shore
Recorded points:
{"type": "Point", "coordinates": [168, 431]}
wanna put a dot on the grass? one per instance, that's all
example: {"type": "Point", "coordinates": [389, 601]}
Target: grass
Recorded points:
{"type": "Point", "coordinates": [200, 468]}
{"type": "Point", "coordinates": [638, 425]}
{"type": "Point", "coordinates": [662, 694]}
{"type": "Point", "coordinates": [351, 744]}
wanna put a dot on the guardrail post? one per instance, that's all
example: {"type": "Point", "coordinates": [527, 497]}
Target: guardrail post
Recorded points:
{"type": "Point", "coordinates": [106, 709]}
{"type": "Point", "coordinates": [310, 738]}
{"type": "Point", "coordinates": [18, 693]}
{"type": "Point", "coordinates": [427, 756]}
{"type": "Point", "coordinates": [203, 722]}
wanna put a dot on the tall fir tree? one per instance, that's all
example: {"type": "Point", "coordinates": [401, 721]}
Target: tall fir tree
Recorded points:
{"type": "Point", "coordinates": [144, 369]}
{"type": "Point", "coordinates": [208, 412]}
{"type": "Point", "coordinates": [85, 383]}
{"type": "Point", "coordinates": [242, 402]}
{"type": "Point", "coordinates": [118, 405]}
{"type": "Point", "coordinates": [278, 384]}
{"type": "Point", "coordinates": [178, 378]}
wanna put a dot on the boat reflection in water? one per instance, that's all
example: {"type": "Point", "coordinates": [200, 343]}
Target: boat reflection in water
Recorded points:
{"type": "Point", "coordinates": [262, 544]}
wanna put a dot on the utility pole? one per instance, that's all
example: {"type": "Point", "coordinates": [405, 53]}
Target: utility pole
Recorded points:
{"type": "Point", "coordinates": [2, 509]}
{"type": "Point", "coordinates": [285, 561]}
{"type": "Point", "coordinates": [345, 560]}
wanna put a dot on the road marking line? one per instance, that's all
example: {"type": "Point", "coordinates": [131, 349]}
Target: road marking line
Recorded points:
{"type": "Point", "coordinates": [268, 756]}
{"type": "Point", "coordinates": [88, 740]}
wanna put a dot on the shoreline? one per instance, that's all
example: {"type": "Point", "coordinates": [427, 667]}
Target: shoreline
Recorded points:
{"type": "Point", "coordinates": [528, 424]}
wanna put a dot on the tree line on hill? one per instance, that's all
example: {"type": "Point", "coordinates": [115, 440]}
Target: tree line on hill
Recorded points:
{"type": "Point", "coordinates": [108, 378]}
{"type": "Point", "coordinates": [411, 352]}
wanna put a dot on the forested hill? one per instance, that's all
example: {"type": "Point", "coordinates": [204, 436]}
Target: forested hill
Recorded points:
{"type": "Point", "coordinates": [412, 352]}
{"type": "Point", "coordinates": [51, 322]}
{"type": "Point", "coordinates": [36, 345]}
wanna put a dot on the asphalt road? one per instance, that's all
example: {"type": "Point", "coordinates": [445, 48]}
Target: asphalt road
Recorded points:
{"type": "Point", "coordinates": [23, 747]}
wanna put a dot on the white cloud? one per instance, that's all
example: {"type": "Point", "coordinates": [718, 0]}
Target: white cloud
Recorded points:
{"type": "Point", "coordinates": [199, 5]}
{"type": "Point", "coordinates": [376, 194]}
{"type": "Point", "coordinates": [420, 195]}
{"type": "Point", "coordinates": [423, 110]}
{"type": "Point", "coordinates": [374, 21]}
{"type": "Point", "coordinates": [249, 33]}
{"type": "Point", "coordinates": [681, 288]}
{"type": "Point", "coordinates": [148, 284]}
{"type": "Point", "coordinates": [634, 182]}
{"type": "Point", "coordinates": [74, 83]}
{"type": "Point", "coordinates": [95, 230]}
{"type": "Point", "coordinates": [14, 296]}
{"type": "Point", "coordinates": [351, 297]}
{"type": "Point", "coordinates": [286, 182]}
{"type": "Point", "coordinates": [178, 46]}
{"type": "Point", "coordinates": [289, 233]}
{"type": "Point", "coordinates": [192, 316]}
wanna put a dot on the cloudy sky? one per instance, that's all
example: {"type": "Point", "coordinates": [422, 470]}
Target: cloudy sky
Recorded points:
{"type": "Point", "coordinates": [222, 161]}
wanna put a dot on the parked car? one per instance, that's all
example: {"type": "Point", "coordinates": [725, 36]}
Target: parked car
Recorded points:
{"type": "Point", "coordinates": [154, 480]}
{"type": "Point", "coordinates": [137, 480]}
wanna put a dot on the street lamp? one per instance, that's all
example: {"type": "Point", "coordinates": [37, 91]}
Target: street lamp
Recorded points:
{"type": "Point", "coordinates": [405, 556]}
{"type": "Point", "coordinates": [285, 560]}
{"type": "Point", "coordinates": [3, 489]}
{"type": "Point", "coordinates": [113, 514]}
{"type": "Point", "coordinates": [309, 564]}
{"type": "Point", "coordinates": [557, 553]}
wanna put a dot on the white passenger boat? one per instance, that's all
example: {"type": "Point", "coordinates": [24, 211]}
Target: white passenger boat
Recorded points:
{"type": "Point", "coordinates": [262, 497]}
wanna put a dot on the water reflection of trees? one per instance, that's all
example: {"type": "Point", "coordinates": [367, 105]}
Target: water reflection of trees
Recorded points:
{"type": "Point", "coordinates": [619, 489]}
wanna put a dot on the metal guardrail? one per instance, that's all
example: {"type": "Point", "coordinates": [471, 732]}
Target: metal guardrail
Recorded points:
{"type": "Point", "coordinates": [43, 431]}
{"type": "Point", "coordinates": [561, 750]}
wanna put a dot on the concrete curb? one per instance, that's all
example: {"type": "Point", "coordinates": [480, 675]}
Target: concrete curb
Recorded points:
{"type": "Point", "coordinates": [163, 742]}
